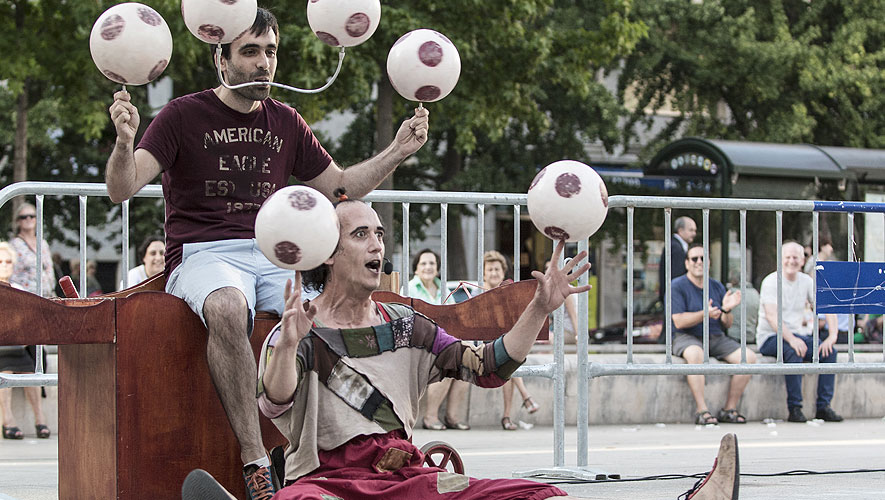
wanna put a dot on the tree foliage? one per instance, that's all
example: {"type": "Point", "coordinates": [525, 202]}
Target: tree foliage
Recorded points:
{"type": "Point", "coordinates": [783, 71]}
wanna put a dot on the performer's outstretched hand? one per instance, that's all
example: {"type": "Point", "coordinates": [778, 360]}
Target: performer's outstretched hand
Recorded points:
{"type": "Point", "coordinates": [297, 317]}
{"type": "Point", "coordinates": [553, 285]}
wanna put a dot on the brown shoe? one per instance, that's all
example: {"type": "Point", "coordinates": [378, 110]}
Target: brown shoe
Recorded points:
{"type": "Point", "coordinates": [723, 482]}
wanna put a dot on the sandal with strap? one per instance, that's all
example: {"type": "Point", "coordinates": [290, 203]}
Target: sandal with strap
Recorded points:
{"type": "Point", "coordinates": [705, 418]}
{"type": "Point", "coordinates": [12, 433]}
{"type": "Point", "coordinates": [731, 416]}
{"type": "Point", "coordinates": [530, 405]}
{"type": "Point", "coordinates": [42, 431]}
{"type": "Point", "coordinates": [508, 425]}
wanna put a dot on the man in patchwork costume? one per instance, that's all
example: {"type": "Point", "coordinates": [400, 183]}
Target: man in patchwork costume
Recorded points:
{"type": "Point", "coordinates": [341, 377]}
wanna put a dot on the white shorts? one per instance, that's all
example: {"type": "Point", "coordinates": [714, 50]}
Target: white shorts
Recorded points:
{"type": "Point", "coordinates": [211, 265]}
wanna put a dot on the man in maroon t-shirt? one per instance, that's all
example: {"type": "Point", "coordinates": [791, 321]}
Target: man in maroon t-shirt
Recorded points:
{"type": "Point", "coordinates": [221, 153]}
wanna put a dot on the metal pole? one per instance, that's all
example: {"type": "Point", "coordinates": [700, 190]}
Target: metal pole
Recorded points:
{"type": "Point", "coordinates": [779, 222]}
{"type": "Point", "coordinates": [517, 243]}
{"type": "Point", "coordinates": [706, 217]}
{"type": "Point", "coordinates": [629, 327]}
{"type": "Point", "coordinates": [480, 240]}
{"type": "Point", "coordinates": [743, 279]}
{"type": "Point", "coordinates": [404, 258]}
{"type": "Point", "coordinates": [444, 247]}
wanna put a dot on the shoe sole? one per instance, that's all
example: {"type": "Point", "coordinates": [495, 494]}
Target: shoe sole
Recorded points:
{"type": "Point", "coordinates": [200, 485]}
{"type": "Point", "coordinates": [716, 482]}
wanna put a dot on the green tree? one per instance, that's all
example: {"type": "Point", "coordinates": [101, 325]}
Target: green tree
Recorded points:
{"type": "Point", "coordinates": [785, 71]}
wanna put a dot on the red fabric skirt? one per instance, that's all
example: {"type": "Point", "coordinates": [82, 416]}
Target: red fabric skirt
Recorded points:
{"type": "Point", "coordinates": [386, 467]}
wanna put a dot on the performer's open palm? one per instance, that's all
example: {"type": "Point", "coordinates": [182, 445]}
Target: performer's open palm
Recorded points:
{"type": "Point", "coordinates": [297, 317]}
{"type": "Point", "coordinates": [554, 284]}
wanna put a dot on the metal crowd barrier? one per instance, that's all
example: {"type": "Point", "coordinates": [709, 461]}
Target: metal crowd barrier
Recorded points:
{"type": "Point", "coordinates": [555, 371]}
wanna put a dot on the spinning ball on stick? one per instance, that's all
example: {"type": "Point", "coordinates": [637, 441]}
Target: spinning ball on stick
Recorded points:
{"type": "Point", "coordinates": [131, 43]}
{"type": "Point", "coordinates": [423, 65]}
{"type": "Point", "coordinates": [218, 21]}
{"type": "Point", "coordinates": [297, 228]}
{"type": "Point", "coordinates": [343, 23]}
{"type": "Point", "coordinates": [568, 200]}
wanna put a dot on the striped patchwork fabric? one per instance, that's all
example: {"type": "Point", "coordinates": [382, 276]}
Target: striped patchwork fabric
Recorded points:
{"type": "Point", "coordinates": [486, 365]}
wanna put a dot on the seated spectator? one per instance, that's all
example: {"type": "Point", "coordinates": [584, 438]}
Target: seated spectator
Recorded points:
{"type": "Point", "coordinates": [93, 287]}
{"type": "Point", "coordinates": [798, 291]}
{"type": "Point", "coordinates": [688, 317]}
{"type": "Point", "coordinates": [750, 303]}
{"type": "Point", "coordinates": [152, 254]}
{"type": "Point", "coordinates": [426, 285]}
{"type": "Point", "coordinates": [873, 328]}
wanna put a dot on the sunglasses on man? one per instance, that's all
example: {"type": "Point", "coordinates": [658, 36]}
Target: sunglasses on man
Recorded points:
{"type": "Point", "coordinates": [696, 258]}
{"type": "Point", "coordinates": [26, 216]}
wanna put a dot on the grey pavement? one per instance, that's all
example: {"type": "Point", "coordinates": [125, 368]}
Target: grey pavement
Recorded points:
{"type": "Point", "coordinates": [29, 468]}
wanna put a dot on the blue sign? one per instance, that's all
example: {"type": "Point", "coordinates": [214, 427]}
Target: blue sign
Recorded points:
{"type": "Point", "coordinates": [850, 287]}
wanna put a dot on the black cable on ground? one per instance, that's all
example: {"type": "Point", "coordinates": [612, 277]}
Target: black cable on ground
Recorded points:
{"type": "Point", "coordinates": [667, 477]}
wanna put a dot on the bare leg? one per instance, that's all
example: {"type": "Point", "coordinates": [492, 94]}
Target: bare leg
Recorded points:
{"type": "Point", "coordinates": [435, 395]}
{"type": "Point", "coordinates": [232, 367]}
{"type": "Point", "coordinates": [520, 386]}
{"type": "Point", "coordinates": [6, 407]}
{"type": "Point", "coordinates": [507, 390]}
{"type": "Point", "coordinates": [695, 355]}
{"type": "Point", "coordinates": [33, 395]}
{"type": "Point", "coordinates": [738, 382]}
{"type": "Point", "coordinates": [457, 395]}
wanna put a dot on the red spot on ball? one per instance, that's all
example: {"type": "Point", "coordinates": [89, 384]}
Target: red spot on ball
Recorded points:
{"type": "Point", "coordinates": [537, 178]}
{"type": "Point", "coordinates": [430, 53]}
{"type": "Point", "coordinates": [149, 16]}
{"type": "Point", "coordinates": [428, 93]}
{"type": "Point", "coordinates": [228, 2]}
{"type": "Point", "coordinates": [567, 185]}
{"type": "Point", "coordinates": [327, 38]}
{"type": "Point", "coordinates": [158, 70]}
{"type": "Point", "coordinates": [556, 233]}
{"type": "Point", "coordinates": [314, 1]}
{"type": "Point", "coordinates": [287, 252]}
{"type": "Point", "coordinates": [357, 25]}
{"type": "Point", "coordinates": [603, 192]}
{"type": "Point", "coordinates": [302, 200]}
{"type": "Point", "coordinates": [112, 26]}
{"type": "Point", "coordinates": [401, 39]}
{"type": "Point", "coordinates": [115, 77]}
{"type": "Point", "coordinates": [211, 32]}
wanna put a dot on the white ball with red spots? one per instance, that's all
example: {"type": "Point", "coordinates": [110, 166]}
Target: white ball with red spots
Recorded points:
{"type": "Point", "coordinates": [218, 21]}
{"type": "Point", "coordinates": [130, 43]}
{"type": "Point", "coordinates": [343, 23]}
{"type": "Point", "coordinates": [423, 65]}
{"type": "Point", "coordinates": [568, 200]}
{"type": "Point", "coordinates": [297, 228]}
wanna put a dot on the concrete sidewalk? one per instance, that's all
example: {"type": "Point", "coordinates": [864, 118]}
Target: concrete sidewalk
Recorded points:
{"type": "Point", "coordinates": [29, 468]}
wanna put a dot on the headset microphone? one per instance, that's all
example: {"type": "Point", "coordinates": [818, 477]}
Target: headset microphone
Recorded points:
{"type": "Point", "coordinates": [388, 266]}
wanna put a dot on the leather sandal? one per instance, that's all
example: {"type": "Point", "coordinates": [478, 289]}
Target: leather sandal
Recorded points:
{"type": "Point", "coordinates": [731, 417]}
{"type": "Point", "coordinates": [530, 405]}
{"type": "Point", "coordinates": [42, 431]}
{"type": "Point", "coordinates": [705, 418]}
{"type": "Point", "coordinates": [508, 425]}
{"type": "Point", "coordinates": [12, 433]}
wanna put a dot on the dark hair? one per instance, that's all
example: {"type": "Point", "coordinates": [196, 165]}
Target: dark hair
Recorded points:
{"type": "Point", "coordinates": [693, 245]}
{"type": "Point", "coordinates": [315, 278]}
{"type": "Point", "coordinates": [264, 21]}
{"type": "Point", "coordinates": [418, 255]}
{"type": "Point", "coordinates": [145, 243]}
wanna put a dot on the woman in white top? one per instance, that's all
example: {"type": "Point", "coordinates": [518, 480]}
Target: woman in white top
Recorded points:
{"type": "Point", "coordinates": [152, 253]}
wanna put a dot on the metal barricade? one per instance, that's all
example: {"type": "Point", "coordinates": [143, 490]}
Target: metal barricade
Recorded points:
{"type": "Point", "coordinates": [587, 370]}
{"type": "Point", "coordinates": [555, 371]}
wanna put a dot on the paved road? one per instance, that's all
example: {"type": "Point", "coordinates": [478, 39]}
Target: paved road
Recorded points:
{"type": "Point", "coordinates": [29, 468]}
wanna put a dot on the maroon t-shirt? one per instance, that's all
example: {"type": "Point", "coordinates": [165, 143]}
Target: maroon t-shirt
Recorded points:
{"type": "Point", "coordinates": [219, 165]}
